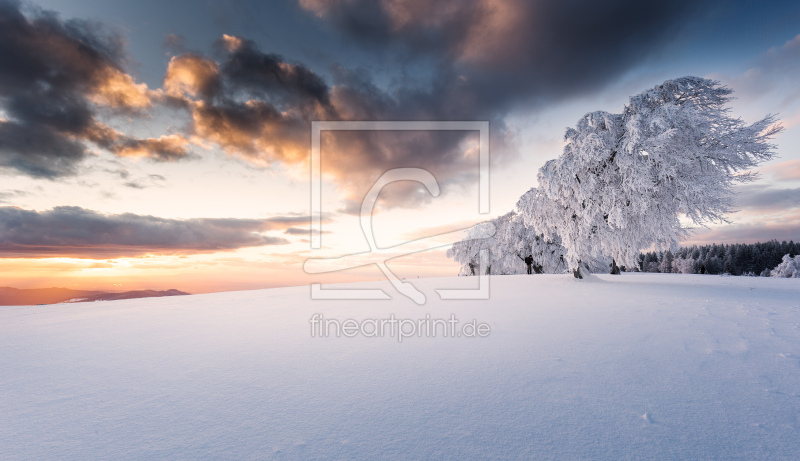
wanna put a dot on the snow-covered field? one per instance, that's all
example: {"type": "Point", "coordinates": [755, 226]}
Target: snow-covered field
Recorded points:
{"type": "Point", "coordinates": [638, 366]}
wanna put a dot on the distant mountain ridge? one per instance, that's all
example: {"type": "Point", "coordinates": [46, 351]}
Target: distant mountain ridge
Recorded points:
{"type": "Point", "coordinates": [27, 297]}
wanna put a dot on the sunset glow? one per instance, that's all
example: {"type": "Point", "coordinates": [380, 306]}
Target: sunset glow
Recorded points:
{"type": "Point", "coordinates": [170, 149]}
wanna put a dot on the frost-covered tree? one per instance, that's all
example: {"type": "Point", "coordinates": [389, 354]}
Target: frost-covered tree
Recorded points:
{"type": "Point", "coordinates": [509, 246]}
{"type": "Point", "coordinates": [625, 181]}
{"type": "Point", "coordinates": [511, 242]}
{"type": "Point", "coordinates": [467, 252]}
{"type": "Point", "coordinates": [543, 218]}
{"type": "Point", "coordinates": [666, 263]}
{"type": "Point", "coordinates": [516, 240]}
{"type": "Point", "coordinates": [789, 267]}
{"type": "Point", "coordinates": [684, 265]}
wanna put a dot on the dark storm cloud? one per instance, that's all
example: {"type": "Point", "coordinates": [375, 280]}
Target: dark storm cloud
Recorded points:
{"type": "Point", "coordinates": [77, 232]}
{"type": "Point", "coordinates": [251, 104]}
{"type": "Point", "coordinates": [260, 106]}
{"type": "Point", "coordinates": [269, 76]}
{"type": "Point", "coordinates": [38, 151]}
{"type": "Point", "coordinates": [483, 59]}
{"type": "Point", "coordinates": [496, 53]}
{"type": "Point", "coordinates": [489, 57]}
{"type": "Point", "coordinates": [53, 76]}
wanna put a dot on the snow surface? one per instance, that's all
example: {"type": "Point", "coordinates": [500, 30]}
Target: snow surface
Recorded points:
{"type": "Point", "coordinates": [638, 366]}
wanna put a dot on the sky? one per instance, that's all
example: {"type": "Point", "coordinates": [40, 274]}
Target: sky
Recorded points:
{"type": "Point", "coordinates": [153, 145]}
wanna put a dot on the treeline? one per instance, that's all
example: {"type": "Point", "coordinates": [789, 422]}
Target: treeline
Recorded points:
{"type": "Point", "coordinates": [735, 259]}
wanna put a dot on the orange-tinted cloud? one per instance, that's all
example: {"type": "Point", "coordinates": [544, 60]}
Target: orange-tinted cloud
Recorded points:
{"type": "Point", "coordinates": [259, 107]}
{"type": "Point", "coordinates": [164, 148]}
{"type": "Point", "coordinates": [191, 75]}
{"type": "Point", "coordinates": [253, 105]}
{"type": "Point", "coordinates": [118, 90]}
{"type": "Point", "coordinates": [255, 130]}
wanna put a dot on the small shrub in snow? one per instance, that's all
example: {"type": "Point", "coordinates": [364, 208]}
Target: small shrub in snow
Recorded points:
{"type": "Point", "coordinates": [789, 267]}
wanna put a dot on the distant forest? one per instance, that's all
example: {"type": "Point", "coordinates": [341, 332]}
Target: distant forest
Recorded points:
{"type": "Point", "coordinates": [735, 259]}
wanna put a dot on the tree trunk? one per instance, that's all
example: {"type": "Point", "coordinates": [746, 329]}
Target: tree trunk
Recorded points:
{"type": "Point", "coordinates": [577, 272]}
{"type": "Point", "coordinates": [614, 268]}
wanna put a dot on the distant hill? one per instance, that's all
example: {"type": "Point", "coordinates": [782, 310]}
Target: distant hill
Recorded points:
{"type": "Point", "coordinates": [129, 295]}
{"type": "Point", "coordinates": [16, 297]}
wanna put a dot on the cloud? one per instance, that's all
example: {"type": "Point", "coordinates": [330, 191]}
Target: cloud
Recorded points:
{"type": "Point", "coordinates": [175, 43]}
{"type": "Point", "coordinates": [480, 59]}
{"type": "Point", "coordinates": [496, 53]}
{"type": "Point", "coordinates": [144, 182]}
{"type": "Point", "coordinates": [82, 233]}
{"type": "Point", "coordinates": [483, 59]}
{"type": "Point", "coordinates": [767, 213]}
{"type": "Point", "coordinates": [259, 106]}
{"type": "Point", "coordinates": [788, 170]}
{"type": "Point", "coordinates": [296, 231]}
{"type": "Point", "coordinates": [54, 75]}
{"type": "Point", "coordinates": [765, 198]}
{"type": "Point", "coordinates": [192, 75]}
{"type": "Point", "coordinates": [166, 148]}
{"type": "Point", "coordinates": [252, 104]}
{"type": "Point", "coordinates": [445, 229]}
{"type": "Point", "coordinates": [5, 195]}
{"type": "Point", "coordinates": [38, 151]}
{"type": "Point", "coordinates": [302, 231]}
{"type": "Point", "coordinates": [270, 76]}
{"type": "Point", "coordinates": [788, 229]}
{"type": "Point", "coordinates": [775, 70]}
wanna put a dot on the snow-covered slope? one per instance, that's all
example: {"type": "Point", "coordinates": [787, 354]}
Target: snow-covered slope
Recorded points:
{"type": "Point", "coordinates": [638, 366]}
